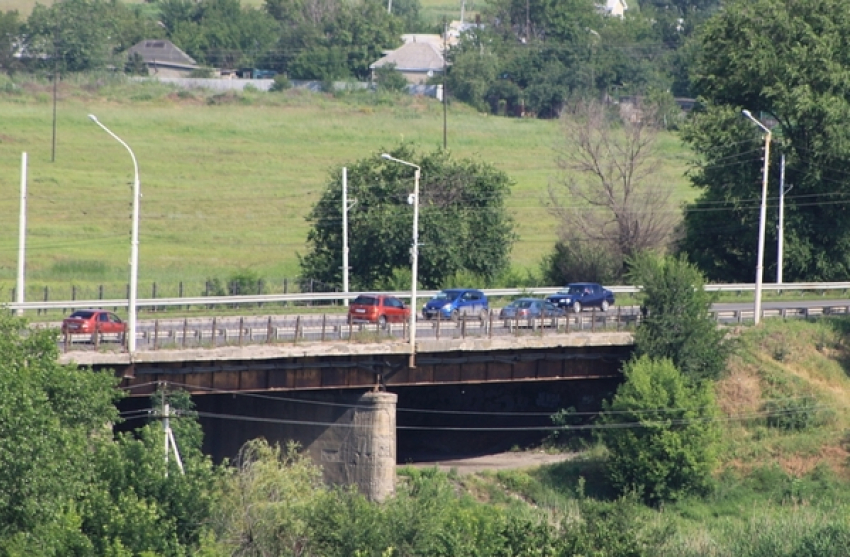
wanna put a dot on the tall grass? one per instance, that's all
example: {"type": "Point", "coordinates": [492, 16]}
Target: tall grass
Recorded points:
{"type": "Point", "coordinates": [227, 179]}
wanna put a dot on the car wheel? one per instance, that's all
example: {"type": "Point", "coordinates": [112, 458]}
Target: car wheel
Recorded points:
{"type": "Point", "coordinates": [604, 305]}
{"type": "Point", "coordinates": [382, 322]}
{"type": "Point", "coordinates": [576, 307]}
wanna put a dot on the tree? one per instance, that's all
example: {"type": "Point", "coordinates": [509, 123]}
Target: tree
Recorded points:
{"type": "Point", "coordinates": [783, 61]}
{"type": "Point", "coordinates": [266, 501]}
{"type": "Point", "coordinates": [576, 261]}
{"type": "Point", "coordinates": [220, 33]}
{"type": "Point", "coordinates": [81, 35]}
{"type": "Point", "coordinates": [329, 39]}
{"type": "Point", "coordinates": [10, 31]}
{"type": "Point", "coordinates": [67, 485]}
{"type": "Point", "coordinates": [139, 505]}
{"type": "Point", "coordinates": [50, 415]}
{"type": "Point", "coordinates": [607, 195]}
{"type": "Point", "coordinates": [661, 433]}
{"type": "Point", "coordinates": [677, 324]}
{"type": "Point", "coordinates": [463, 224]}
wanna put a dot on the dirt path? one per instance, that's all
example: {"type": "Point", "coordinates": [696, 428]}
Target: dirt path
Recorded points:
{"type": "Point", "coordinates": [498, 461]}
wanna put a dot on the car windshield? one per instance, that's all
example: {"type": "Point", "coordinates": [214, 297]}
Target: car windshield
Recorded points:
{"type": "Point", "coordinates": [575, 289]}
{"type": "Point", "coordinates": [82, 315]}
{"type": "Point", "coordinates": [449, 296]}
{"type": "Point", "coordinates": [522, 304]}
{"type": "Point", "coordinates": [365, 301]}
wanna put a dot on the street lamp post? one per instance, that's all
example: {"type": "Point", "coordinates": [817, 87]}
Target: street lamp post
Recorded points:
{"type": "Point", "coordinates": [414, 253]}
{"type": "Point", "coordinates": [134, 242]}
{"type": "Point", "coordinates": [762, 214]}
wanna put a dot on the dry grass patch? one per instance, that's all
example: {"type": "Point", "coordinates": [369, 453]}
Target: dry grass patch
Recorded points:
{"type": "Point", "coordinates": [793, 377]}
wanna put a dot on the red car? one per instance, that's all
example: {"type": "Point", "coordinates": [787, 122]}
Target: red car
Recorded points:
{"type": "Point", "coordinates": [377, 308]}
{"type": "Point", "coordinates": [87, 321]}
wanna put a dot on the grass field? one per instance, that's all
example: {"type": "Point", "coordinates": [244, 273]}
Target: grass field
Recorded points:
{"type": "Point", "coordinates": [433, 11]}
{"type": "Point", "coordinates": [227, 180]}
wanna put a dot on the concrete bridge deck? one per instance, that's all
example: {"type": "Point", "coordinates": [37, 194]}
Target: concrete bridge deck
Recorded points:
{"type": "Point", "coordinates": [289, 367]}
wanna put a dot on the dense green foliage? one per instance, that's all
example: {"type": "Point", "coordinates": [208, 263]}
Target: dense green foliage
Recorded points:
{"type": "Point", "coordinates": [661, 432]}
{"type": "Point", "coordinates": [49, 415]}
{"type": "Point", "coordinates": [79, 35]}
{"type": "Point", "coordinates": [523, 58]}
{"type": "Point", "coordinates": [784, 62]}
{"type": "Point", "coordinates": [390, 79]}
{"type": "Point", "coordinates": [67, 486]}
{"type": "Point", "coordinates": [676, 322]}
{"type": "Point", "coordinates": [463, 224]}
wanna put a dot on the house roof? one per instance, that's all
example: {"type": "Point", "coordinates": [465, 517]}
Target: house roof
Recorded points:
{"type": "Point", "coordinates": [436, 40]}
{"type": "Point", "coordinates": [162, 51]}
{"type": "Point", "coordinates": [413, 56]}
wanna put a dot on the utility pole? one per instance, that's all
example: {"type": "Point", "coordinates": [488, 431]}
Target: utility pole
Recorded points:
{"type": "Point", "coordinates": [445, 69]}
{"type": "Point", "coordinates": [780, 236]}
{"type": "Point", "coordinates": [170, 443]}
{"type": "Point", "coordinates": [55, 84]}
{"type": "Point", "coordinates": [345, 208]}
{"type": "Point", "coordinates": [22, 234]}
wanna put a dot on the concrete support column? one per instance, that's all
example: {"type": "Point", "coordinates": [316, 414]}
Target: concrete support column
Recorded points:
{"type": "Point", "coordinates": [366, 454]}
{"type": "Point", "coordinates": [370, 455]}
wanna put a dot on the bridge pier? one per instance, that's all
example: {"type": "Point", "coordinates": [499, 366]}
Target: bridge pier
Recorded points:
{"type": "Point", "coordinates": [362, 452]}
{"type": "Point", "coordinates": [351, 435]}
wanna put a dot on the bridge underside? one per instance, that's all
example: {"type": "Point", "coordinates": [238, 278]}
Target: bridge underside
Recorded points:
{"type": "Point", "coordinates": [376, 371]}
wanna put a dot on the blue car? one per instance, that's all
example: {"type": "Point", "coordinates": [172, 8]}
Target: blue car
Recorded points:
{"type": "Point", "coordinates": [579, 295]}
{"type": "Point", "coordinates": [457, 303]}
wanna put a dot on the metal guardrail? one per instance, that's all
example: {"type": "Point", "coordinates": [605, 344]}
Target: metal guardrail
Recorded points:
{"type": "Point", "coordinates": [340, 296]}
{"type": "Point", "coordinates": [243, 331]}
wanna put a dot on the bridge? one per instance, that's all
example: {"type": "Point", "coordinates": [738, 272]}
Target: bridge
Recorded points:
{"type": "Point", "coordinates": [346, 393]}
{"type": "Point", "coordinates": [339, 400]}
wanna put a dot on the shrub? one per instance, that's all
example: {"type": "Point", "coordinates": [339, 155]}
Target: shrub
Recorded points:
{"type": "Point", "coordinates": [390, 79]}
{"type": "Point", "coordinates": [677, 323]}
{"type": "Point", "coordinates": [281, 83]}
{"type": "Point", "coordinates": [661, 433]}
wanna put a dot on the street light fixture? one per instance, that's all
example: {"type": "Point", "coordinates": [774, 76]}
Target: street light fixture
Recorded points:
{"type": "Point", "coordinates": [762, 214]}
{"type": "Point", "coordinates": [134, 242]}
{"type": "Point", "coordinates": [414, 253]}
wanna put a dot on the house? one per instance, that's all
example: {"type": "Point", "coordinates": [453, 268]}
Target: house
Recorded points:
{"type": "Point", "coordinates": [616, 8]}
{"type": "Point", "coordinates": [164, 59]}
{"type": "Point", "coordinates": [417, 60]}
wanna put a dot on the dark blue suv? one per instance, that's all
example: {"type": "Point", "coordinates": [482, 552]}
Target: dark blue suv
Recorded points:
{"type": "Point", "coordinates": [457, 303]}
{"type": "Point", "coordinates": [578, 295]}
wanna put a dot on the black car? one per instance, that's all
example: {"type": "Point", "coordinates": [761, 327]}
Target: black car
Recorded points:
{"type": "Point", "coordinates": [579, 295]}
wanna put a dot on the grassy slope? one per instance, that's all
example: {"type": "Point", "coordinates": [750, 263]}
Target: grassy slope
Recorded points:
{"type": "Point", "coordinates": [228, 181]}
{"type": "Point", "coordinates": [775, 485]}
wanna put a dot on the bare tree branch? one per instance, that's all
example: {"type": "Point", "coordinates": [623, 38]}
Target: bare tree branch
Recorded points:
{"type": "Point", "coordinates": [607, 192]}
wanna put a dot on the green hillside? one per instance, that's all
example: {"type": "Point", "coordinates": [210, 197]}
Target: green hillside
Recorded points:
{"type": "Point", "coordinates": [227, 179]}
{"type": "Point", "coordinates": [783, 488]}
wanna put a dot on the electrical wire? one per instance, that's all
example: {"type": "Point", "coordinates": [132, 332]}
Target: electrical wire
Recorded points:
{"type": "Point", "coordinates": [447, 412]}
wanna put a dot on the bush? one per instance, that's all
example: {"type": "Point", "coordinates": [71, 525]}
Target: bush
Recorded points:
{"type": "Point", "coordinates": [281, 83]}
{"type": "Point", "coordinates": [201, 73]}
{"type": "Point", "coordinates": [677, 324]}
{"type": "Point", "coordinates": [390, 79]}
{"type": "Point", "coordinates": [576, 260]}
{"type": "Point", "coordinates": [661, 433]}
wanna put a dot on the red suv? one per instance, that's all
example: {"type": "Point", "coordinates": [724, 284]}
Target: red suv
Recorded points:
{"type": "Point", "coordinates": [87, 321]}
{"type": "Point", "coordinates": [377, 308]}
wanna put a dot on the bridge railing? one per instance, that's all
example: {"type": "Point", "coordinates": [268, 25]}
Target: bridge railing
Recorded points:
{"type": "Point", "coordinates": [820, 287]}
{"type": "Point", "coordinates": [158, 334]}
